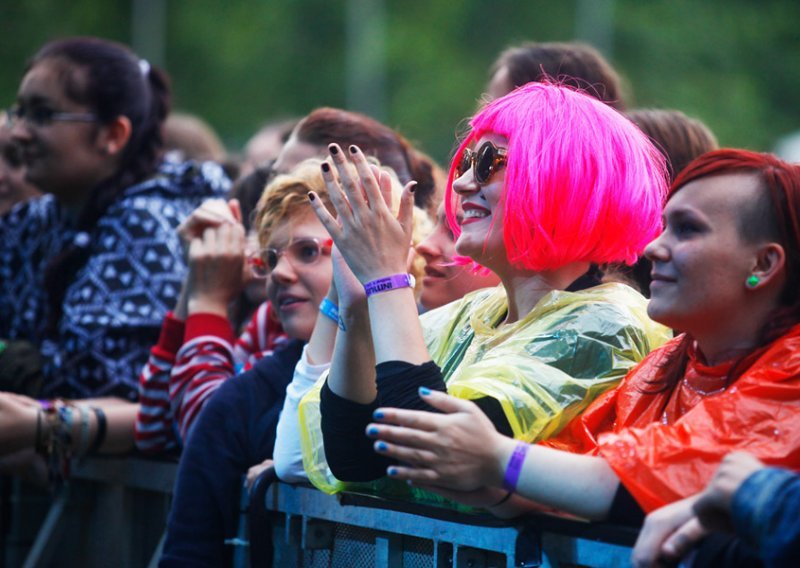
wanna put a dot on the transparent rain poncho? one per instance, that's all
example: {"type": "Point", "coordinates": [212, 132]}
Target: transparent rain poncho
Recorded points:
{"type": "Point", "coordinates": [544, 369]}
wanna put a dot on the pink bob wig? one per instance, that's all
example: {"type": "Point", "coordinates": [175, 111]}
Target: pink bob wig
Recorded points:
{"type": "Point", "coordinates": [583, 183]}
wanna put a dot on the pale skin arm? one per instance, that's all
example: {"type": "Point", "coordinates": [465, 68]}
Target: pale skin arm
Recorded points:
{"type": "Point", "coordinates": [18, 423]}
{"type": "Point", "coordinates": [460, 450]}
{"type": "Point", "coordinates": [374, 243]}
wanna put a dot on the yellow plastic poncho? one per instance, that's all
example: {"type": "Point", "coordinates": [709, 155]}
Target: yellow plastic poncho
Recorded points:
{"type": "Point", "coordinates": [544, 369]}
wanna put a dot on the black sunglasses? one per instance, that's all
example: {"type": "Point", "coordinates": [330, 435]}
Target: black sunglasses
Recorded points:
{"type": "Point", "coordinates": [485, 161]}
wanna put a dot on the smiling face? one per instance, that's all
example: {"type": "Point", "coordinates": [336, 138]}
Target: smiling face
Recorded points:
{"type": "Point", "coordinates": [481, 236]}
{"type": "Point", "coordinates": [62, 158]}
{"type": "Point", "coordinates": [700, 261]}
{"type": "Point", "coordinates": [445, 282]}
{"type": "Point", "coordinates": [295, 289]}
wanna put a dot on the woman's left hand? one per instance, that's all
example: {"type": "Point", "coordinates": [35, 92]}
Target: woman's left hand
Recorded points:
{"type": "Point", "coordinates": [372, 240]}
{"type": "Point", "coordinates": [459, 450]}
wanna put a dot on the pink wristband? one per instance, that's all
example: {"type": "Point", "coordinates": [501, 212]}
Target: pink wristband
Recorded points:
{"type": "Point", "coordinates": [514, 466]}
{"type": "Point", "coordinates": [393, 282]}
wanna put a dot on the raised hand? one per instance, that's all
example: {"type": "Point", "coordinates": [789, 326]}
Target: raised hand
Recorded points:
{"type": "Point", "coordinates": [348, 290]}
{"type": "Point", "coordinates": [212, 213]}
{"type": "Point", "coordinates": [216, 260]}
{"type": "Point", "coordinates": [371, 239]}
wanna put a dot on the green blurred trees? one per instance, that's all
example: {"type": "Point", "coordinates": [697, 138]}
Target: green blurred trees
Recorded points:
{"type": "Point", "coordinates": [733, 63]}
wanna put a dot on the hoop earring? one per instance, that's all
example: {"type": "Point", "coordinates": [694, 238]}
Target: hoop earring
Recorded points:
{"type": "Point", "coordinates": [752, 281]}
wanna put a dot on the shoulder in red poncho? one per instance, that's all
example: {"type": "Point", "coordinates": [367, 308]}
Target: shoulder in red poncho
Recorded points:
{"type": "Point", "coordinates": [666, 446]}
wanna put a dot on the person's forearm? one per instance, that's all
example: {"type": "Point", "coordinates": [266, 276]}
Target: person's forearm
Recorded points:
{"type": "Point", "coordinates": [119, 436]}
{"type": "Point", "coordinates": [397, 332]}
{"type": "Point", "coordinates": [181, 310]}
{"type": "Point", "coordinates": [352, 374]}
{"type": "Point", "coordinates": [120, 418]}
{"type": "Point", "coordinates": [319, 350]}
{"type": "Point", "coordinates": [574, 483]}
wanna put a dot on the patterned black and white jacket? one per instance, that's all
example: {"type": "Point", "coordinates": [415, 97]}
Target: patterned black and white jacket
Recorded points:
{"type": "Point", "coordinates": [114, 306]}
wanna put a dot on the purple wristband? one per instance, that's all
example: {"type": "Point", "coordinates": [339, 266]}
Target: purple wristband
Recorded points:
{"type": "Point", "coordinates": [514, 466]}
{"type": "Point", "coordinates": [392, 282]}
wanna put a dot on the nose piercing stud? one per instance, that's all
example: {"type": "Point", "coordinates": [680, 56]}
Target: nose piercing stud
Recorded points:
{"type": "Point", "coordinates": [752, 281]}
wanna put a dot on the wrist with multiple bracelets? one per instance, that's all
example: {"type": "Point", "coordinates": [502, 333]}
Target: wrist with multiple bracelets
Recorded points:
{"type": "Point", "coordinates": [386, 284]}
{"type": "Point", "coordinates": [55, 437]}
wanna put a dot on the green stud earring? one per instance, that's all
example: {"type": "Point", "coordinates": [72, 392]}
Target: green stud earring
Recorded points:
{"type": "Point", "coordinates": [752, 281]}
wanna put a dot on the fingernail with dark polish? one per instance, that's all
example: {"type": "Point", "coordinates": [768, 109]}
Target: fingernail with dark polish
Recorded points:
{"type": "Point", "coordinates": [424, 391]}
{"type": "Point", "coordinates": [353, 149]}
{"type": "Point", "coordinates": [372, 431]}
{"type": "Point", "coordinates": [326, 167]}
{"type": "Point", "coordinates": [381, 446]}
{"type": "Point", "coordinates": [334, 149]}
{"type": "Point", "coordinates": [377, 414]}
{"type": "Point", "coordinates": [311, 196]}
{"type": "Point", "coordinates": [413, 188]}
{"type": "Point", "coordinates": [391, 471]}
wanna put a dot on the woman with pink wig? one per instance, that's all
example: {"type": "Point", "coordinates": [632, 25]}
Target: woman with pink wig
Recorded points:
{"type": "Point", "coordinates": [549, 180]}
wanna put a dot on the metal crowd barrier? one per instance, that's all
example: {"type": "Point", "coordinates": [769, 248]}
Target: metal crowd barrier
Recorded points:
{"type": "Point", "coordinates": [114, 510]}
{"type": "Point", "coordinates": [311, 529]}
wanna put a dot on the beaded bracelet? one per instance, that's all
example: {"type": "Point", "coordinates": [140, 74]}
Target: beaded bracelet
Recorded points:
{"type": "Point", "coordinates": [514, 467]}
{"type": "Point", "coordinates": [393, 282]}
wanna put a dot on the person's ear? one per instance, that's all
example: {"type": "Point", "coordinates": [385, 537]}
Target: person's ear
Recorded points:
{"type": "Point", "coordinates": [114, 136]}
{"type": "Point", "coordinates": [770, 262]}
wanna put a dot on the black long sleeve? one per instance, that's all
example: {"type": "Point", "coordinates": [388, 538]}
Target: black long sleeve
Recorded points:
{"type": "Point", "coordinates": [349, 452]}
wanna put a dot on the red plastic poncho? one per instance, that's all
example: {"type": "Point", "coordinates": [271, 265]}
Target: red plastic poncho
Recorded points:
{"type": "Point", "coordinates": [666, 446]}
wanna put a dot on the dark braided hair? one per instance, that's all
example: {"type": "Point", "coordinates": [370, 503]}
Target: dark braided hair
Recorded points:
{"type": "Point", "coordinates": [775, 216]}
{"type": "Point", "coordinates": [112, 80]}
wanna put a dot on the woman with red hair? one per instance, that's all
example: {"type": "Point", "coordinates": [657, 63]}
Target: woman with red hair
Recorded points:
{"type": "Point", "coordinates": [725, 272]}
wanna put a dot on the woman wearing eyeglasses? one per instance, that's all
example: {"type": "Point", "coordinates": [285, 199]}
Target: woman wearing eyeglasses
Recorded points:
{"type": "Point", "coordinates": [88, 271]}
{"type": "Point", "coordinates": [236, 429]}
{"type": "Point", "coordinates": [549, 181]}
{"type": "Point", "coordinates": [173, 387]}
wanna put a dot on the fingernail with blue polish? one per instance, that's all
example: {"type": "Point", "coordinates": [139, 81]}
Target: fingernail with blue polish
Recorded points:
{"type": "Point", "coordinates": [381, 446]}
{"type": "Point", "coordinates": [372, 431]}
{"type": "Point", "coordinates": [377, 414]}
{"type": "Point", "coordinates": [424, 391]}
{"type": "Point", "coordinates": [391, 471]}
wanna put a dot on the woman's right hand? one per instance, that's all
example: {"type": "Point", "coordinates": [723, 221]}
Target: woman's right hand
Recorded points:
{"type": "Point", "coordinates": [216, 260]}
{"type": "Point", "coordinates": [212, 213]}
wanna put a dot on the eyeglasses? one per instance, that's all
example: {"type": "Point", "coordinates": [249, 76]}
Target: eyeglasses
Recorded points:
{"type": "Point", "coordinates": [40, 116]}
{"type": "Point", "coordinates": [484, 162]}
{"type": "Point", "coordinates": [299, 252]}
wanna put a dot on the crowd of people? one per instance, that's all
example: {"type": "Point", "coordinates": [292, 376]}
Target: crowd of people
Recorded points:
{"type": "Point", "coordinates": [592, 310]}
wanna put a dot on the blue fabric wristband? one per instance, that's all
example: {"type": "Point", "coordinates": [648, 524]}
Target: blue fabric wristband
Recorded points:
{"type": "Point", "coordinates": [330, 310]}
